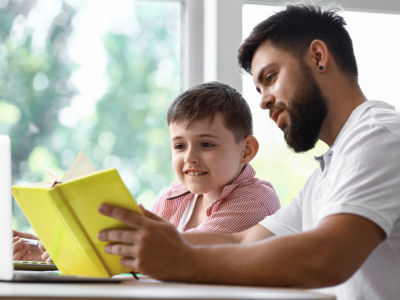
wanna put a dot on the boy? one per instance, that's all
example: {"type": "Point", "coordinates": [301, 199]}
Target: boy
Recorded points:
{"type": "Point", "coordinates": [212, 145]}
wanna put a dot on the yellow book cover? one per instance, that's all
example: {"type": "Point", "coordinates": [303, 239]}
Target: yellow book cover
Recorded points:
{"type": "Point", "coordinates": [64, 215]}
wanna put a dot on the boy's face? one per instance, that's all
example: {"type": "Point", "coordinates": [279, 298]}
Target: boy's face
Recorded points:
{"type": "Point", "coordinates": [205, 156]}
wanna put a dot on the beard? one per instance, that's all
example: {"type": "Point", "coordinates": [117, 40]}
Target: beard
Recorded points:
{"type": "Point", "coordinates": [307, 111]}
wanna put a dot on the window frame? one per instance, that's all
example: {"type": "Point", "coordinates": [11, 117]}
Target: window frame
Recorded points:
{"type": "Point", "coordinates": [209, 48]}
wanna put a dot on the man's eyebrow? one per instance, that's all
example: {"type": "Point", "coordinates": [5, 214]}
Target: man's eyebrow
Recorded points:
{"type": "Point", "coordinates": [261, 73]}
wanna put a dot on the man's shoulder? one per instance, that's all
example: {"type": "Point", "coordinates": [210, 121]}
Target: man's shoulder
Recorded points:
{"type": "Point", "coordinates": [379, 115]}
{"type": "Point", "coordinates": [389, 119]}
{"type": "Point", "coordinates": [376, 126]}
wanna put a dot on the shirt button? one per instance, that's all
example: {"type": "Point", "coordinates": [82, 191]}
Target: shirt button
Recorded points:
{"type": "Point", "coordinates": [319, 195]}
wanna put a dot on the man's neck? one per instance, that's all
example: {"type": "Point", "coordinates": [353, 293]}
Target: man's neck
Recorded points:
{"type": "Point", "coordinates": [343, 99]}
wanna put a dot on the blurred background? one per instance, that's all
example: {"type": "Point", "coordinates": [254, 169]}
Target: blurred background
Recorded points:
{"type": "Point", "coordinates": [99, 75]}
{"type": "Point", "coordinates": [92, 75]}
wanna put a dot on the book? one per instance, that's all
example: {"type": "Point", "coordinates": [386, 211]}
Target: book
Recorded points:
{"type": "Point", "coordinates": [64, 214]}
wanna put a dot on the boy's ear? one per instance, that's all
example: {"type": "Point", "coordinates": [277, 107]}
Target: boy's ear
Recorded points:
{"type": "Point", "coordinates": [250, 149]}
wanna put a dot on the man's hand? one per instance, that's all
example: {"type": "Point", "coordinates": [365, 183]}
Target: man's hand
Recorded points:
{"type": "Point", "coordinates": [152, 246]}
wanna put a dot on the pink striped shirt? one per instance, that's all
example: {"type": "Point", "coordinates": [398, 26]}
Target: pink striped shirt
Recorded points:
{"type": "Point", "coordinates": [241, 205]}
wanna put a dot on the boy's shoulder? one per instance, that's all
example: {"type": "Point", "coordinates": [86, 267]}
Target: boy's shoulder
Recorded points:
{"type": "Point", "coordinates": [249, 186]}
{"type": "Point", "coordinates": [177, 191]}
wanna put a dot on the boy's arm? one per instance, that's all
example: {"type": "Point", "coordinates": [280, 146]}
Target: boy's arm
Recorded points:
{"type": "Point", "coordinates": [255, 233]}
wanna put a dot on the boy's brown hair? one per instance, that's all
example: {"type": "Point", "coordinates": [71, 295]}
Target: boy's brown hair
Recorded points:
{"type": "Point", "coordinates": [205, 100]}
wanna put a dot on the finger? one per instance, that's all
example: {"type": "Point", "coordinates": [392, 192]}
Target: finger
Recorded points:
{"type": "Point", "coordinates": [19, 244]}
{"type": "Point", "coordinates": [150, 215]}
{"type": "Point", "coordinates": [117, 235]}
{"type": "Point", "coordinates": [45, 256]}
{"type": "Point", "coordinates": [41, 247]}
{"type": "Point", "coordinates": [49, 259]}
{"type": "Point", "coordinates": [21, 253]}
{"type": "Point", "coordinates": [129, 262]}
{"type": "Point", "coordinates": [119, 249]}
{"type": "Point", "coordinates": [128, 217]}
{"type": "Point", "coordinates": [25, 235]}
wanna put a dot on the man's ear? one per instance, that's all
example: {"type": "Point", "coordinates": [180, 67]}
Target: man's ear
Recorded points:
{"type": "Point", "coordinates": [250, 149]}
{"type": "Point", "coordinates": [319, 55]}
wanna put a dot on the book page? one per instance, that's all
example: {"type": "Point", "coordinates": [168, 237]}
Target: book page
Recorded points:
{"type": "Point", "coordinates": [80, 166]}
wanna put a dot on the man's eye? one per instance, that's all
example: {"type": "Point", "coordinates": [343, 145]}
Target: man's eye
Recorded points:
{"type": "Point", "coordinates": [271, 77]}
{"type": "Point", "coordinates": [179, 147]}
{"type": "Point", "coordinates": [207, 145]}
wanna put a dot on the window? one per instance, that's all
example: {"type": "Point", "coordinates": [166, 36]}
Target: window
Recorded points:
{"type": "Point", "coordinates": [91, 75]}
{"type": "Point", "coordinates": [376, 49]}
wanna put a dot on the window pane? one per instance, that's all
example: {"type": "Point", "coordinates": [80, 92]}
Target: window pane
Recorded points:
{"type": "Point", "coordinates": [91, 75]}
{"type": "Point", "coordinates": [376, 49]}
{"type": "Point", "coordinates": [376, 46]}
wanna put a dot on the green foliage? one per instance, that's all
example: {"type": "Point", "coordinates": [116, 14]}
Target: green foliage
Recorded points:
{"type": "Point", "coordinates": [127, 129]}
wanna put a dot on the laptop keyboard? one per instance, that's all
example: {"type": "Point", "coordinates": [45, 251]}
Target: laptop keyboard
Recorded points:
{"type": "Point", "coordinates": [34, 265]}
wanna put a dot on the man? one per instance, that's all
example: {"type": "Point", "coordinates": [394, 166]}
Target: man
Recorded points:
{"type": "Point", "coordinates": [343, 229]}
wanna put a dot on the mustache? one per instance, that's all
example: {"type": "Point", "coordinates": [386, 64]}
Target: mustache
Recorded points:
{"type": "Point", "coordinates": [275, 107]}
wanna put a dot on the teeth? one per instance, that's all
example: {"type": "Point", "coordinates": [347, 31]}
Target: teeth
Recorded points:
{"type": "Point", "coordinates": [195, 173]}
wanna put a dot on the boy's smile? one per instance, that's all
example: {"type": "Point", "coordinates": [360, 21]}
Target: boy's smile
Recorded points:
{"type": "Point", "coordinates": [205, 155]}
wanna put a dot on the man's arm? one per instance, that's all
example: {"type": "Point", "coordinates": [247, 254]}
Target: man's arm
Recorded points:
{"type": "Point", "coordinates": [325, 256]}
{"type": "Point", "coordinates": [255, 233]}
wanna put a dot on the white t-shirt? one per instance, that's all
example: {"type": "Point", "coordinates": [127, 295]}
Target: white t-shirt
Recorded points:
{"type": "Point", "coordinates": [187, 214]}
{"type": "Point", "coordinates": [359, 174]}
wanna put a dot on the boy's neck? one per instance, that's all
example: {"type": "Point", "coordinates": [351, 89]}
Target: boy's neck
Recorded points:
{"type": "Point", "coordinates": [206, 200]}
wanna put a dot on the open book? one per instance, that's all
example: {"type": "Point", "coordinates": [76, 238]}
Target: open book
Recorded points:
{"type": "Point", "coordinates": [64, 215]}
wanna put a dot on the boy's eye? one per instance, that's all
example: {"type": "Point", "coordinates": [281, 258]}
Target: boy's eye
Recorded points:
{"type": "Point", "coordinates": [179, 146]}
{"type": "Point", "coordinates": [207, 145]}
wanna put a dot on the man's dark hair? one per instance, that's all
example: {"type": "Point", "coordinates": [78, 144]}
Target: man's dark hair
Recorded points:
{"type": "Point", "coordinates": [293, 30]}
{"type": "Point", "coordinates": [205, 100]}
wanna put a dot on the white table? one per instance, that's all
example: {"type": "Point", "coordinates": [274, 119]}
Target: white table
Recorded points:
{"type": "Point", "coordinates": [147, 288]}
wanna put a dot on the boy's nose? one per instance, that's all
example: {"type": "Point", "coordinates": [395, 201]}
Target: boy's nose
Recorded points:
{"type": "Point", "coordinates": [191, 157]}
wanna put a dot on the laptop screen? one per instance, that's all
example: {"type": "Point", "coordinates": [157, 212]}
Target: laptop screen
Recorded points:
{"type": "Point", "coordinates": [6, 248]}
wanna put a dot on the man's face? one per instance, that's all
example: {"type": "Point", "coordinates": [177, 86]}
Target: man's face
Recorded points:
{"type": "Point", "coordinates": [292, 95]}
{"type": "Point", "coordinates": [205, 155]}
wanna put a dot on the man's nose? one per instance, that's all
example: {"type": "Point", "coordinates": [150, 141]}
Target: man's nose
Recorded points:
{"type": "Point", "coordinates": [191, 156]}
{"type": "Point", "coordinates": [267, 100]}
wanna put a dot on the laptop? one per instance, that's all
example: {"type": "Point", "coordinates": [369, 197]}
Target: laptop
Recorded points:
{"type": "Point", "coordinates": [7, 270]}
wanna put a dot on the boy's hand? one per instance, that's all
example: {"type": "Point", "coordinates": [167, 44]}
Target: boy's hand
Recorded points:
{"type": "Point", "coordinates": [152, 246]}
{"type": "Point", "coordinates": [45, 255]}
{"type": "Point", "coordinates": [23, 251]}
{"type": "Point", "coordinates": [26, 252]}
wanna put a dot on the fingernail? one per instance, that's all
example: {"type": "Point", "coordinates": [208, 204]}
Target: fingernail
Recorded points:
{"type": "Point", "coordinates": [107, 248]}
{"type": "Point", "coordinates": [100, 235]}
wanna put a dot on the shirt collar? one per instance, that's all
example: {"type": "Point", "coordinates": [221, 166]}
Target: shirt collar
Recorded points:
{"type": "Point", "coordinates": [178, 189]}
{"type": "Point", "coordinates": [353, 118]}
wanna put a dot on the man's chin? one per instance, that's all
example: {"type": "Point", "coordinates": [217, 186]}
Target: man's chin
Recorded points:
{"type": "Point", "coordinates": [300, 147]}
